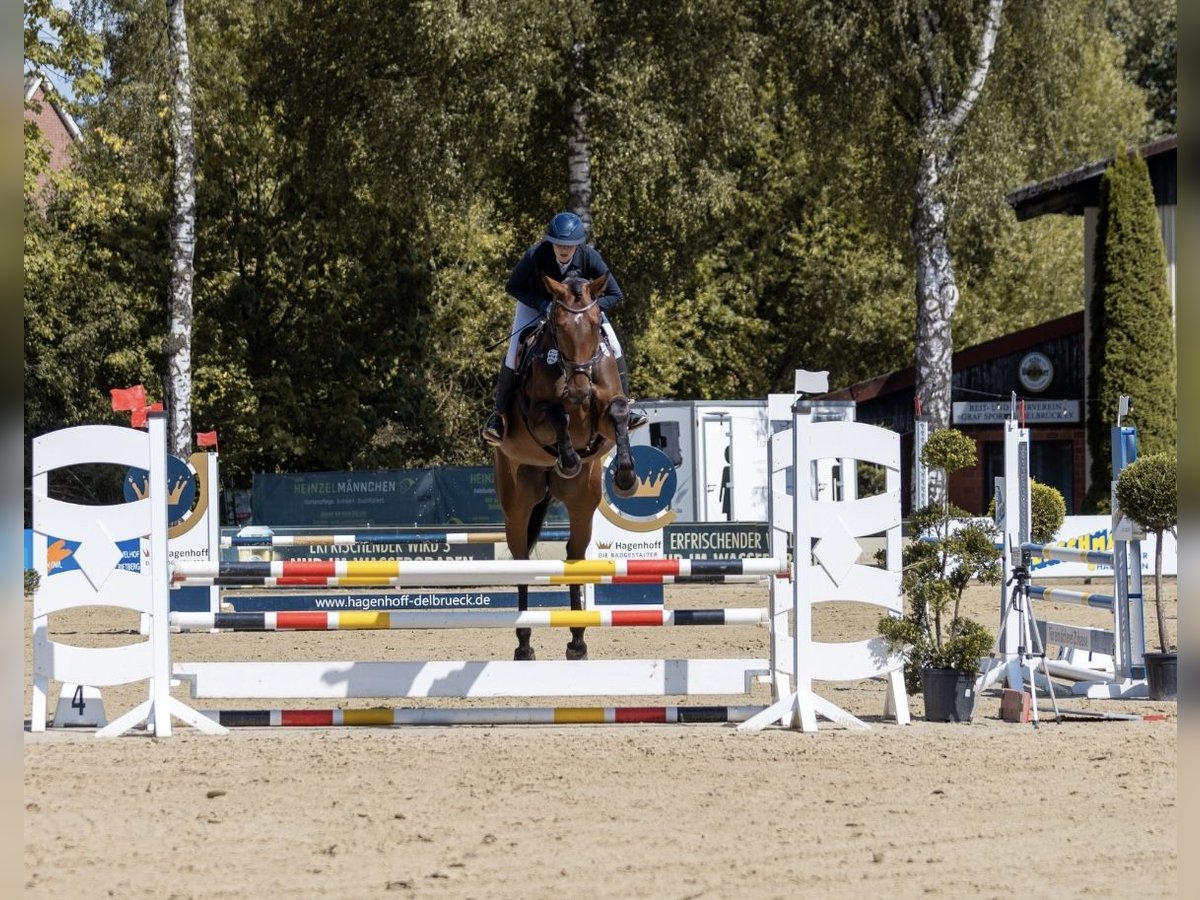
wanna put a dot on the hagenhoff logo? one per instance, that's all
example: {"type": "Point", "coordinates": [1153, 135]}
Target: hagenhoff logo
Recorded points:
{"type": "Point", "coordinates": [187, 491]}
{"type": "Point", "coordinates": [649, 506]}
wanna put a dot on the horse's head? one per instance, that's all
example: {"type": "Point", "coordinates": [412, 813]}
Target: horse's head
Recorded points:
{"type": "Point", "coordinates": [574, 319]}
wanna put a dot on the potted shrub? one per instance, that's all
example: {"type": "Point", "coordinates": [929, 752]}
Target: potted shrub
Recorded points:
{"type": "Point", "coordinates": [1147, 492]}
{"type": "Point", "coordinates": [948, 551]}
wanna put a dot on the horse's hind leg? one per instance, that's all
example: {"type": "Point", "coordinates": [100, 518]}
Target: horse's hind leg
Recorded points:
{"type": "Point", "coordinates": [577, 648]}
{"type": "Point", "coordinates": [584, 497]}
{"type": "Point", "coordinates": [519, 500]}
{"type": "Point", "coordinates": [524, 648]}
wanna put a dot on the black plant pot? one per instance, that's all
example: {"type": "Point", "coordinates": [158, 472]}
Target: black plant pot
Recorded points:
{"type": "Point", "coordinates": [949, 694]}
{"type": "Point", "coordinates": [1162, 675]}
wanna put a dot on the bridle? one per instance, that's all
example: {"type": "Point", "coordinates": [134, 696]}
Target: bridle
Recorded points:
{"type": "Point", "coordinates": [571, 367]}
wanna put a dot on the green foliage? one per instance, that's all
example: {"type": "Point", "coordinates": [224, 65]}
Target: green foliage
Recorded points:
{"type": "Point", "coordinates": [1146, 33]}
{"type": "Point", "coordinates": [949, 552]}
{"type": "Point", "coordinates": [949, 449]}
{"type": "Point", "coordinates": [1047, 511]}
{"type": "Point", "coordinates": [368, 174]}
{"type": "Point", "coordinates": [32, 580]}
{"type": "Point", "coordinates": [1133, 341]}
{"type": "Point", "coordinates": [1147, 491]}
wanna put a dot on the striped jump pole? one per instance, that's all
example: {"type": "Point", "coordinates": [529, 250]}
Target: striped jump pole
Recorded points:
{"type": "Point", "coordinates": [381, 537]}
{"type": "Point", "coordinates": [1062, 595]}
{"type": "Point", "coordinates": [418, 619]}
{"type": "Point", "coordinates": [405, 573]}
{"type": "Point", "coordinates": [554, 715]}
{"type": "Point", "coordinates": [1069, 554]}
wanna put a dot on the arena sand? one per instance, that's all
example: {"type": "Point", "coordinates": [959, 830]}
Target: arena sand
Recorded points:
{"type": "Point", "coordinates": [989, 809]}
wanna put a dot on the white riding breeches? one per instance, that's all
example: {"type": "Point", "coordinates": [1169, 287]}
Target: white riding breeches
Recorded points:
{"type": "Point", "coordinates": [526, 315]}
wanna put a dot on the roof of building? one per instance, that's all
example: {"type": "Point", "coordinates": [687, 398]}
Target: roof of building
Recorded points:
{"type": "Point", "coordinates": [906, 379]}
{"type": "Point", "coordinates": [33, 81]}
{"type": "Point", "coordinates": [1069, 193]}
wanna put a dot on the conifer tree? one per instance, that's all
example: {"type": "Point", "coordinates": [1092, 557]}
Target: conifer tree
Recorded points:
{"type": "Point", "coordinates": [1132, 344]}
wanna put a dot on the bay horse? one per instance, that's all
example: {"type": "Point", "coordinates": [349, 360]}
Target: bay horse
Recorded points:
{"type": "Point", "coordinates": [567, 413]}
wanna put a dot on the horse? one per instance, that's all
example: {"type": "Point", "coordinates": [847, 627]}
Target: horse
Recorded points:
{"type": "Point", "coordinates": [566, 414]}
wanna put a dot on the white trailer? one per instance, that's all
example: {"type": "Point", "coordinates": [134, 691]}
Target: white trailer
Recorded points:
{"type": "Point", "coordinates": [719, 450]}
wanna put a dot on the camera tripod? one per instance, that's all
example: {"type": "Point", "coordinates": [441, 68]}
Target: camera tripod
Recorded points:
{"type": "Point", "coordinates": [1017, 609]}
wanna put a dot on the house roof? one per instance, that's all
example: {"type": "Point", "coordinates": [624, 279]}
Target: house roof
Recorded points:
{"type": "Point", "coordinates": [1069, 193]}
{"type": "Point", "coordinates": [33, 81]}
{"type": "Point", "coordinates": [906, 379]}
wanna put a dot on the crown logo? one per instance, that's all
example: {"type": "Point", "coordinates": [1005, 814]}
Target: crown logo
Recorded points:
{"type": "Point", "coordinates": [604, 545]}
{"type": "Point", "coordinates": [651, 486]}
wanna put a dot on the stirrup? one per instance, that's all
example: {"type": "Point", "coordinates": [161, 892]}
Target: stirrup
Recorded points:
{"type": "Point", "coordinates": [493, 429]}
{"type": "Point", "coordinates": [636, 419]}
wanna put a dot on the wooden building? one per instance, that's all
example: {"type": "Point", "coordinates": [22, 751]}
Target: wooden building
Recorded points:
{"type": "Point", "coordinates": [1042, 365]}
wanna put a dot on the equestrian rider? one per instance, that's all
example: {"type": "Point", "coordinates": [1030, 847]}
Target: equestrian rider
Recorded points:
{"type": "Point", "coordinates": [561, 253]}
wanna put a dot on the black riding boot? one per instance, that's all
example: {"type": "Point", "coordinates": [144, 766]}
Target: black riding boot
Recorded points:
{"type": "Point", "coordinates": [493, 428]}
{"type": "Point", "coordinates": [636, 419]}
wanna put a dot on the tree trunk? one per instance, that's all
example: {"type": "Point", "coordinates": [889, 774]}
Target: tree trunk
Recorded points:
{"type": "Point", "coordinates": [937, 298]}
{"type": "Point", "coordinates": [1164, 642]}
{"type": "Point", "coordinates": [183, 237]}
{"type": "Point", "coordinates": [936, 288]}
{"type": "Point", "coordinates": [579, 145]}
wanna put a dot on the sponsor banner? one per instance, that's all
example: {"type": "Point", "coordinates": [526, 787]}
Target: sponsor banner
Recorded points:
{"type": "Point", "coordinates": [648, 508]}
{"type": "Point", "coordinates": [191, 598]}
{"type": "Point", "coordinates": [1095, 533]}
{"type": "Point", "coordinates": [462, 495]}
{"type": "Point", "coordinates": [378, 601]}
{"type": "Point", "coordinates": [381, 550]}
{"type": "Point", "coordinates": [60, 555]}
{"type": "Point", "coordinates": [715, 540]}
{"type": "Point", "coordinates": [607, 595]}
{"type": "Point", "coordinates": [1037, 412]}
{"type": "Point", "coordinates": [619, 596]}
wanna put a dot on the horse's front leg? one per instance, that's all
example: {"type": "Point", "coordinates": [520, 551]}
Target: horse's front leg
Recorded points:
{"type": "Point", "coordinates": [624, 477]}
{"type": "Point", "coordinates": [568, 463]}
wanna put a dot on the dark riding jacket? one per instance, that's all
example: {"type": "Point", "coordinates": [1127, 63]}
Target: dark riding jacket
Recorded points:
{"type": "Point", "coordinates": [525, 283]}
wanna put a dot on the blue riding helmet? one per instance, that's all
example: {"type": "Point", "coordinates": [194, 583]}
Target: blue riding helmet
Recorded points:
{"type": "Point", "coordinates": [567, 229]}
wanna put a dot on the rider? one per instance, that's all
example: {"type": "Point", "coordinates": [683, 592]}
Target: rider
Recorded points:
{"type": "Point", "coordinates": [560, 253]}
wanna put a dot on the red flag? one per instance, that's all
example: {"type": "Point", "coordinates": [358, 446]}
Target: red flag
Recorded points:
{"type": "Point", "coordinates": [138, 417]}
{"type": "Point", "coordinates": [128, 398]}
{"type": "Point", "coordinates": [206, 439]}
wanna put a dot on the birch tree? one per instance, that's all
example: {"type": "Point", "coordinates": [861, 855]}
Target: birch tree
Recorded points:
{"type": "Point", "coordinates": [941, 110]}
{"type": "Point", "coordinates": [178, 382]}
{"type": "Point", "coordinates": [579, 144]}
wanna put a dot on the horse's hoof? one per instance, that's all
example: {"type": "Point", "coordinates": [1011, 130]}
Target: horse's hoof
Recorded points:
{"type": "Point", "coordinates": [522, 653]}
{"type": "Point", "coordinates": [624, 484]}
{"type": "Point", "coordinates": [567, 472]}
{"type": "Point", "coordinates": [577, 650]}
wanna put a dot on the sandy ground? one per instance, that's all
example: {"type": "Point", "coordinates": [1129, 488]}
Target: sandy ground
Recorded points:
{"type": "Point", "coordinates": [1078, 808]}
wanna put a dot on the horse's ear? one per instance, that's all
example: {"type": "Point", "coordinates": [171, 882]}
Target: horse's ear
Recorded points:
{"type": "Point", "coordinates": [555, 287]}
{"type": "Point", "coordinates": [599, 285]}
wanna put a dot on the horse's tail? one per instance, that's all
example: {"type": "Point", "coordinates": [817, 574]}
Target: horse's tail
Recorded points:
{"type": "Point", "coordinates": [537, 516]}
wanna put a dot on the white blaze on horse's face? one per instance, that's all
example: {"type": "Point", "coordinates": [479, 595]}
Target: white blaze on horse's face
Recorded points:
{"type": "Point", "coordinates": [575, 330]}
{"type": "Point", "coordinates": [563, 253]}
